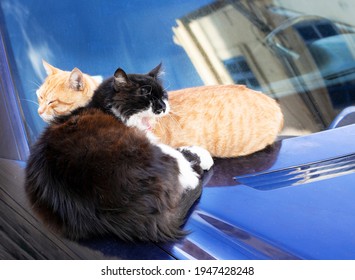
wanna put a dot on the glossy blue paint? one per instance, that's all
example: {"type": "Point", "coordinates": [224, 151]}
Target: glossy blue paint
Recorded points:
{"type": "Point", "coordinates": [345, 117]}
{"type": "Point", "coordinates": [294, 200]}
{"type": "Point", "coordinates": [300, 174]}
{"type": "Point", "coordinates": [311, 220]}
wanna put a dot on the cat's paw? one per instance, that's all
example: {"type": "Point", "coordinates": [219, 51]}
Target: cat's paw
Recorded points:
{"type": "Point", "coordinates": [206, 161]}
{"type": "Point", "coordinates": [189, 176]}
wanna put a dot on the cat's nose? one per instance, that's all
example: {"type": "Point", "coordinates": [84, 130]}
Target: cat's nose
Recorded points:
{"type": "Point", "coordinates": [40, 110]}
{"type": "Point", "coordinates": [160, 108]}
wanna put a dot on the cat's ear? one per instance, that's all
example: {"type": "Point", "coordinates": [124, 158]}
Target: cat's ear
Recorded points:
{"type": "Point", "coordinates": [156, 72]}
{"type": "Point", "coordinates": [50, 70]}
{"type": "Point", "coordinates": [76, 79]}
{"type": "Point", "coordinates": [120, 78]}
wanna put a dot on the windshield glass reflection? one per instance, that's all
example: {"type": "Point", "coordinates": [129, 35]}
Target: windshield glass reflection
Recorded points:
{"type": "Point", "coordinates": [301, 54]}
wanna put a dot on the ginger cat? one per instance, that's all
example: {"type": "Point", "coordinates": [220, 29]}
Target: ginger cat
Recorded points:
{"type": "Point", "coordinates": [64, 91]}
{"type": "Point", "coordinates": [227, 120]}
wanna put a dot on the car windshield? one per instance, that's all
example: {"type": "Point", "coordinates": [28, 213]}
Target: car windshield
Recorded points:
{"type": "Point", "coordinates": [299, 52]}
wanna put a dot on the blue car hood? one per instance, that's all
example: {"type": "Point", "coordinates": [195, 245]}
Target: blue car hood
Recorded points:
{"type": "Point", "coordinates": [295, 200]}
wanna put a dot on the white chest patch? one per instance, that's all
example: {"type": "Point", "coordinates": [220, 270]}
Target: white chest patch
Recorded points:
{"type": "Point", "coordinates": [146, 120]}
{"type": "Point", "coordinates": [143, 120]}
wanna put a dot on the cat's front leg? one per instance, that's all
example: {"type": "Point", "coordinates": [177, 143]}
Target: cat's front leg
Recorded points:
{"type": "Point", "coordinates": [188, 177]}
{"type": "Point", "coordinates": [199, 158]}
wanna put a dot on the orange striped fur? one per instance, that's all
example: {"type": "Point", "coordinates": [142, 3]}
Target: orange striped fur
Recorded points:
{"type": "Point", "coordinates": [227, 120]}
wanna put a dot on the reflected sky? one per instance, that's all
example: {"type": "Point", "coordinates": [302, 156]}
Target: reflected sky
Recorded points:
{"type": "Point", "coordinates": [135, 35]}
{"type": "Point", "coordinates": [97, 37]}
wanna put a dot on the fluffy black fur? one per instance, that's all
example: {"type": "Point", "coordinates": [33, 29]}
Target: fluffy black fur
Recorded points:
{"type": "Point", "coordinates": [136, 93]}
{"type": "Point", "coordinates": [89, 174]}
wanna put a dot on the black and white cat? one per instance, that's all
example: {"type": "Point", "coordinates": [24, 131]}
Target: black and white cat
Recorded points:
{"type": "Point", "coordinates": [99, 171]}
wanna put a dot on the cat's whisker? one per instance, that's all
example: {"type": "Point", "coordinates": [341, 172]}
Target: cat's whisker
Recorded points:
{"type": "Point", "coordinates": [171, 117]}
{"type": "Point", "coordinates": [161, 126]}
{"type": "Point", "coordinates": [31, 101]}
{"type": "Point", "coordinates": [168, 86]}
{"type": "Point", "coordinates": [37, 84]}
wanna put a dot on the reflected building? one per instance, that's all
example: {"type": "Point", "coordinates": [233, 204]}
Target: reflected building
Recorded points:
{"type": "Point", "coordinates": [280, 47]}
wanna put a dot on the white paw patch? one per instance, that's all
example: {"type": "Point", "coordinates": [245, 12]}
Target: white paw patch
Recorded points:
{"type": "Point", "coordinates": [203, 154]}
{"type": "Point", "coordinates": [188, 178]}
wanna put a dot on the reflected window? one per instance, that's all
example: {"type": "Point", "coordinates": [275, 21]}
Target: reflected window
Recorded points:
{"type": "Point", "coordinates": [314, 30]}
{"type": "Point", "coordinates": [97, 37]}
{"type": "Point", "coordinates": [333, 57]}
{"type": "Point", "coordinates": [302, 54]}
{"type": "Point", "coordinates": [241, 73]}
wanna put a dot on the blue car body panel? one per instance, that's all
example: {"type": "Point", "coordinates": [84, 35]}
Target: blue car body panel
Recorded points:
{"type": "Point", "coordinates": [308, 215]}
{"type": "Point", "coordinates": [345, 117]}
{"type": "Point", "coordinates": [294, 200]}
